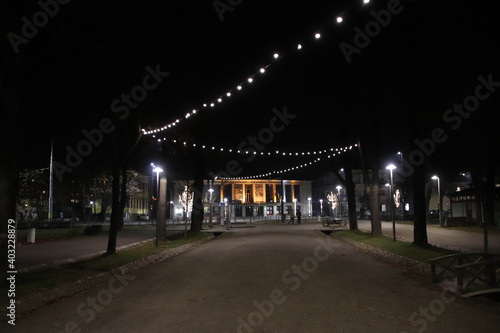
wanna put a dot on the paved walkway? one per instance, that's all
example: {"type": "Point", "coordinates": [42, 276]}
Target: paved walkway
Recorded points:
{"type": "Point", "coordinates": [441, 236]}
{"type": "Point", "coordinates": [48, 252]}
{"type": "Point", "coordinates": [274, 278]}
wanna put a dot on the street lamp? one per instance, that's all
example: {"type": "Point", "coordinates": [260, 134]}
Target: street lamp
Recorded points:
{"type": "Point", "coordinates": [321, 206]}
{"type": "Point", "coordinates": [157, 170]}
{"type": "Point", "coordinates": [310, 212]}
{"type": "Point", "coordinates": [294, 207]}
{"type": "Point", "coordinates": [226, 214]}
{"type": "Point", "coordinates": [211, 190]}
{"type": "Point", "coordinates": [400, 153]}
{"type": "Point", "coordinates": [338, 198]}
{"type": "Point", "coordinates": [439, 197]}
{"type": "Point", "coordinates": [391, 167]}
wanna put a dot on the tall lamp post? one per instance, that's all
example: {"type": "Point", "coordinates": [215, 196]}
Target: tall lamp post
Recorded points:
{"type": "Point", "coordinates": [391, 167]}
{"type": "Point", "coordinates": [338, 199]}
{"type": "Point", "coordinates": [157, 170]}
{"type": "Point", "coordinates": [211, 190]}
{"type": "Point", "coordinates": [310, 211]}
{"type": "Point", "coordinates": [321, 206]}
{"type": "Point", "coordinates": [225, 212]}
{"type": "Point", "coordinates": [439, 197]}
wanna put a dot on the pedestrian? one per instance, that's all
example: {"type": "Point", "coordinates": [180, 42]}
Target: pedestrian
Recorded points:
{"type": "Point", "coordinates": [291, 219]}
{"type": "Point", "coordinates": [299, 215]}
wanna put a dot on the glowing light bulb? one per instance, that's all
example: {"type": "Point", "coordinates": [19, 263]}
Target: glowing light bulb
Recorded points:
{"type": "Point", "coordinates": [262, 70]}
{"type": "Point", "coordinates": [276, 55]}
{"type": "Point", "coordinates": [339, 19]}
{"type": "Point", "coordinates": [299, 47]}
{"type": "Point", "coordinates": [318, 35]}
{"type": "Point", "coordinates": [250, 80]}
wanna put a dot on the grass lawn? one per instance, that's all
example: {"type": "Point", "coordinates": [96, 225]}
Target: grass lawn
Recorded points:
{"type": "Point", "coordinates": [46, 279]}
{"type": "Point", "coordinates": [54, 234]}
{"type": "Point", "coordinates": [422, 254]}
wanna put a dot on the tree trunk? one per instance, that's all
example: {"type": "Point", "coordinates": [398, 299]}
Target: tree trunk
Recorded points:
{"type": "Point", "coordinates": [419, 206]}
{"type": "Point", "coordinates": [351, 199]}
{"type": "Point", "coordinates": [123, 196]}
{"type": "Point", "coordinates": [375, 204]}
{"type": "Point", "coordinates": [115, 206]}
{"type": "Point", "coordinates": [197, 213]}
{"type": "Point", "coordinates": [162, 209]}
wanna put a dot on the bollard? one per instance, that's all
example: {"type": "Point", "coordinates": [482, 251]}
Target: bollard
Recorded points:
{"type": "Point", "coordinates": [31, 236]}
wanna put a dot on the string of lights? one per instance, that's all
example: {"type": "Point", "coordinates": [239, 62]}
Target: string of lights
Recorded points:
{"type": "Point", "coordinates": [279, 172]}
{"type": "Point", "coordinates": [333, 151]}
{"type": "Point", "coordinates": [239, 87]}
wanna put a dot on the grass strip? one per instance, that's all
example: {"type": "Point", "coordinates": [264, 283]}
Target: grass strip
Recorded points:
{"type": "Point", "coordinates": [405, 249]}
{"type": "Point", "coordinates": [31, 282]}
{"type": "Point", "coordinates": [52, 234]}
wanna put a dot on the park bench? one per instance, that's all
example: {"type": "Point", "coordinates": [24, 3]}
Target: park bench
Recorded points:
{"type": "Point", "coordinates": [468, 268]}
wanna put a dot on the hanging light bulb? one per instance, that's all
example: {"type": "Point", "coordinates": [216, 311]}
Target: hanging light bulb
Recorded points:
{"type": "Point", "coordinates": [299, 47]}
{"type": "Point", "coordinates": [339, 19]}
{"type": "Point", "coordinates": [262, 70]}
{"type": "Point", "coordinates": [250, 80]}
{"type": "Point", "coordinates": [317, 35]}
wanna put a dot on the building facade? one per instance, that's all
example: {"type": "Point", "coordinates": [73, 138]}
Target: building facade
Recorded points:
{"type": "Point", "coordinates": [250, 198]}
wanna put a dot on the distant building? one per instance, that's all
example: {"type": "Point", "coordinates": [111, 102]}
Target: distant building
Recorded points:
{"type": "Point", "coordinates": [248, 198]}
{"type": "Point", "coordinates": [464, 208]}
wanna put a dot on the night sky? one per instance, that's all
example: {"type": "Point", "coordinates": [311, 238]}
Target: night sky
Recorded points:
{"type": "Point", "coordinates": [428, 57]}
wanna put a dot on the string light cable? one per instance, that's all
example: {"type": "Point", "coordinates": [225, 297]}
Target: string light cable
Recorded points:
{"type": "Point", "coordinates": [283, 171]}
{"type": "Point", "coordinates": [248, 81]}
{"type": "Point", "coordinates": [274, 153]}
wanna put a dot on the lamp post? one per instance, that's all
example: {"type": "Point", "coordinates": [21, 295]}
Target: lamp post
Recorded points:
{"type": "Point", "coordinates": [225, 211]}
{"type": "Point", "coordinates": [294, 207]}
{"type": "Point", "coordinates": [157, 170]}
{"type": "Point", "coordinates": [391, 167]}
{"type": "Point", "coordinates": [338, 198]}
{"type": "Point", "coordinates": [321, 206]}
{"type": "Point", "coordinates": [439, 197]}
{"type": "Point", "coordinates": [309, 206]}
{"type": "Point", "coordinates": [211, 190]}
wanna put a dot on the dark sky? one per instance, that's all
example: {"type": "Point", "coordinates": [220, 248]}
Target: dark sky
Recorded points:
{"type": "Point", "coordinates": [424, 60]}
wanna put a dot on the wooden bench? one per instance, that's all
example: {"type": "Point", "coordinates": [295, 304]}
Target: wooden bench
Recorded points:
{"type": "Point", "coordinates": [478, 266]}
